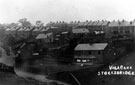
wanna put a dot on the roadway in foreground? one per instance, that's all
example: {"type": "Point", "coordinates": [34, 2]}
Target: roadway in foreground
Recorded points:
{"type": "Point", "coordinates": [7, 78]}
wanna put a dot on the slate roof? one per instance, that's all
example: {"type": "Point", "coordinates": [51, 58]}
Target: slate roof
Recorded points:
{"type": "Point", "coordinates": [95, 23]}
{"type": "Point", "coordinates": [80, 23]}
{"type": "Point", "coordinates": [99, 23]}
{"type": "Point", "coordinates": [90, 23]}
{"type": "Point", "coordinates": [64, 32]}
{"type": "Point", "coordinates": [53, 27]}
{"type": "Point", "coordinates": [43, 36]}
{"type": "Point", "coordinates": [29, 28]}
{"type": "Point", "coordinates": [17, 28]}
{"type": "Point", "coordinates": [114, 24]}
{"type": "Point", "coordinates": [37, 29]}
{"type": "Point", "coordinates": [8, 29]}
{"type": "Point", "coordinates": [125, 23]}
{"type": "Point", "coordinates": [86, 23]}
{"type": "Point", "coordinates": [45, 29]}
{"type": "Point", "coordinates": [95, 46]}
{"type": "Point", "coordinates": [25, 28]}
{"type": "Point", "coordinates": [80, 30]}
{"type": "Point", "coordinates": [132, 23]}
{"type": "Point", "coordinates": [21, 29]}
{"type": "Point", "coordinates": [105, 23]}
{"type": "Point", "coordinates": [13, 28]}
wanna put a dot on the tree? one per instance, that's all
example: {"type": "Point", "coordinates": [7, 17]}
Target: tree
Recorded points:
{"type": "Point", "coordinates": [39, 23]}
{"type": "Point", "coordinates": [13, 25]}
{"type": "Point", "coordinates": [24, 22]}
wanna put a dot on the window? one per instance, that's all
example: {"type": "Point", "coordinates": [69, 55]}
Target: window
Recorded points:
{"type": "Point", "coordinates": [127, 31]}
{"type": "Point", "coordinates": [78, 60]}
{"type": "Point", "coordinates": [99, 52]}
{"type": "Point", "coordinates": [84, 61]}
{"type": "Point", "coordinates": [90, 52]}
{"type": "Point", "coordinates": [115, 32]}
{"type": "Point", "coordinates": [121, 29]}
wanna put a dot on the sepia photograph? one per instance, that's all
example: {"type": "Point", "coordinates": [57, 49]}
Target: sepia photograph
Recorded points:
{"type": "Point", "coordinates": [67, 42]}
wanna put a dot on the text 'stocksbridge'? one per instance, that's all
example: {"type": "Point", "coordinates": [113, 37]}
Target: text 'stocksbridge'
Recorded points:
{"type": "Point", "coordinates": [118, 70]}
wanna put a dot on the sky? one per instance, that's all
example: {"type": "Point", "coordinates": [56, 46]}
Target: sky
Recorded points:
{"type": "Point", "coordinates": [66, 10]}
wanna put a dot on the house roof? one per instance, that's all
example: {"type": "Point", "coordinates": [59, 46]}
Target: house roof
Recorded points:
{"type": "Point", "coordinates": [114, 24]}
{"type": "Point", "coordinates": [90, 23]}
{"type": "Point", "coordinates": [95, 46]}
{"type": "Point", "coordinates": [75, 23]}
{"type": "Point", "coordinates": [105, 23]}
{"type": "Point", "coordinates": [53, 27]}
{"type": "Point", "coordinates": [99, 23]}
{"type": "Point", "coordinates": [50, 24]}
{"type": "Point", "coordinates": [48, 34]}
{"type": "Point", "coordinates": [25, 28]}
{"type": "Point", "coordinates": [17, 28]}
{"type": "Point", "coordinates": [80, 30]}
{"type": "Point", "coordinates": [8, 29]}
{"type": "Point", "coordinates": [132, 23]}
{"type": "Point", "coordinates": [21, 29]}
{"type": "Point", "coordinates": [86, 23]}
{"type": "Point", "coordinates": [125, 23]}
{"type": "Point", "coordinates": [57, 39]}
{"type": "Point", "coordinates": [95, 23]}
{"type": "Point", "coordinates": [29, 28]}
{"type": "Point", "coordinates": [37, 29]}
{"type": "Point", "coordinates": [64, 32]}
{"type": "Point", "coordinates": [45, 29]}
{"type": "Point", "coordinates": [57, 24]}
{"type": "Point", "coordinates": [13, 28]}
{"type": "Point", "coordinates": [43, 36]}
{"type": "Point", "coordinates": [58, 35]}
{"type": "Point", "coordinates": [80, 23]}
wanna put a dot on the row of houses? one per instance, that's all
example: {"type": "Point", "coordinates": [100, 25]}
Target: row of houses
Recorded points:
{"type": "Point", "coordinates": [123, 28]}
{"type": "Point", "coordinates": [49, 34]}
{"type": "Point", "coordinates": [99, 27]}
{"type": "Point", "coordinates": [73, 29]}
